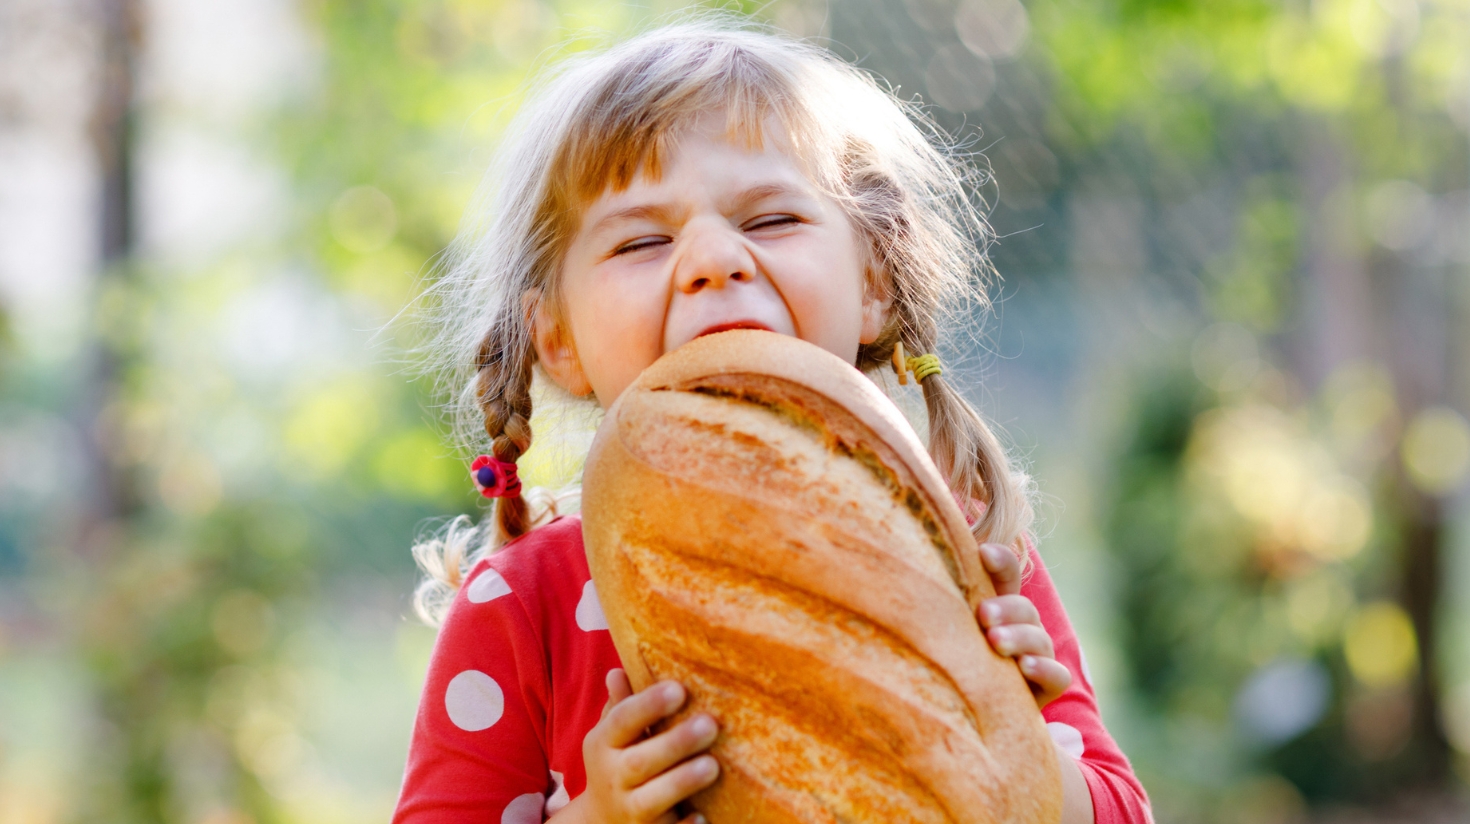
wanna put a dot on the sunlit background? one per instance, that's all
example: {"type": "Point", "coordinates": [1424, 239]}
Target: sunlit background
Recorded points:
{"type": "Point", "coordinates": [1231, 340]}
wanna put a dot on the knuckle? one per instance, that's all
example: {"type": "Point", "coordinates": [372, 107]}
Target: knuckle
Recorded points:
{"type": "Point", "coordinates": [618, 717]}
{"type": "Point", "coordinates": [633, 762]}
{"type": "Point", "coordinates": [646, 805]}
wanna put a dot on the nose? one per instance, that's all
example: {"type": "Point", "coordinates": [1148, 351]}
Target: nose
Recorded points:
{"type": "Point", "coordinates": [710, 257]}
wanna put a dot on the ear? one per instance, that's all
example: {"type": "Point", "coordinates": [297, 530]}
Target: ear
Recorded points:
{"type": "Point", "coordinates": [877, 303]}
{"type": "Point", "coordinates": [554, 347]}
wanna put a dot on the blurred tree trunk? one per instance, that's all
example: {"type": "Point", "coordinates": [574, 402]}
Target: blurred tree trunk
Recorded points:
{"type": "Point", "coordinates": [1376, 306]}
{"type": "Point", "coordinates": [1423, 537]}
{"type": "Point", "coordinates": [112, 494]}
{"type": "Point", "coordinates": [1418, 347]}
{"type": "Point", "coordinates": [130, 746]}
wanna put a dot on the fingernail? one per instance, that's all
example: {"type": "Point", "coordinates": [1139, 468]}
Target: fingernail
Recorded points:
{"type": "Point", "coordinates": [703, 726]}
{"type": "Point", "coordinates": [992, 611]}
{"type": "Point", "coordinates": [708, 765]}
{"type": "Point", "coordinates": [673, 693]}
{"type": "Point", "coordinates": [1001, 638]}
{"type": "Point", "coordinates": [700, 819]}
{"type": "Point", "coordinates": [1028, 663]}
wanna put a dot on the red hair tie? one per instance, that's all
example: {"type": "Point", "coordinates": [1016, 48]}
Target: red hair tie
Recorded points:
{"type": "Point", "coordinates": [495, 478]}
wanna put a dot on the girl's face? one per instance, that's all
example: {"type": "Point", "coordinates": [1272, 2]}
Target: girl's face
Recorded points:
{"type": "Point", "coordinates": [728, 237]}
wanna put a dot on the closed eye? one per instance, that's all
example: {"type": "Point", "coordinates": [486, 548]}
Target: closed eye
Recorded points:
{"type": "Point", "coordinates": [640, 243]}
{"type": "Point", "coordinates": [771, 222]}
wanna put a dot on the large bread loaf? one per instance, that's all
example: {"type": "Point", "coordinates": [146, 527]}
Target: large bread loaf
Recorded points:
{"type": "Point", "coordinates": [764, 527]}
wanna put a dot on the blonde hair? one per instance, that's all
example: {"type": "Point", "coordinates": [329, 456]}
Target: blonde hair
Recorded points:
{"type": "Point", "coordinates": [597, 121]}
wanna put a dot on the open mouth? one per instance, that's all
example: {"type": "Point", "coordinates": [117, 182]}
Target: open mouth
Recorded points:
{"type": "Point", "coordinates": [739, 324]}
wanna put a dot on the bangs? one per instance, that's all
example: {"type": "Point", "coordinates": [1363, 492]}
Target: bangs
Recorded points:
{"type": "Point", "coordinates": [631, 123]}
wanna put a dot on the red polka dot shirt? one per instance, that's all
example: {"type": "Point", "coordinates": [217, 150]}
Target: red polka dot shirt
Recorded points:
{"type": "Point", "coordinates": [517, 680]}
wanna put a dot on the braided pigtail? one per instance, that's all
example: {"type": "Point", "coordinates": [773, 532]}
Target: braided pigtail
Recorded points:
{"type": "Point", "coordinates": [503, 391]}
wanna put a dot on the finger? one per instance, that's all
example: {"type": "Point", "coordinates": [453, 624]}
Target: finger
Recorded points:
{"type": "Point", "coordinates": [664, 791]}
{"type": "Point", "coordinates": [1048, 677]}
{"type": "Point", "coordinates": [1015, 640]}
{"type": "Point", "coordinates": [618, 688]}
{"type": "Point", "coordinates": [697, 818]}
{"type": "Point", "coordinates": [647, 759]}
{"type": "Point", "coordinates": [627, 721]}
{"type": "Point", "coordinates": [1004, 568]}
{"type": "Point", "coordinates": [1008, 609]}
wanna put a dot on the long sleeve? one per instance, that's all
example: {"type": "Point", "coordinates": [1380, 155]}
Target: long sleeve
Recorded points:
{"type": "Point", "coordinates": [1073, 719]}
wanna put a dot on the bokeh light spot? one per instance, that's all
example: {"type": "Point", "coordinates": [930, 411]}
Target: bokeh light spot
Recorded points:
{"type": "Point", "coordinates": [1456, 717]}
{"type": "Point", "coordinates": [1283, 699]}
{"type": "Point", "coordinates": [1316, 605]}
{"type": "Point", "coordinates": [268, 744]}
{"type": "Point", "coordinates": [1436, 450]}
{"type": "Point", "coordinates": [1337, 518]}
{"type": "Point", "coordinates": [996, 29]}
{"type": "Point", "coordinates": [1399, 214]}
{"type": "Point", "coordinates": [1380, 645]}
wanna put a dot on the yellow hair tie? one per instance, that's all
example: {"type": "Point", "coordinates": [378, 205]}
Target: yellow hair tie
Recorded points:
{"type": "Point", "coordinates": [922, 365]}
{"type": "Point", "coordinates": [925, 365]}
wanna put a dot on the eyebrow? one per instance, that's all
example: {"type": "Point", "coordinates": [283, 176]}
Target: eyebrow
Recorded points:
{"type": "Point", "coordinates": [659, 212]}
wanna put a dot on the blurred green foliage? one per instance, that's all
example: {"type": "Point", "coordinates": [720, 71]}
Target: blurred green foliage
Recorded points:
{"type": "Point", "coordinates": [1247, 301]}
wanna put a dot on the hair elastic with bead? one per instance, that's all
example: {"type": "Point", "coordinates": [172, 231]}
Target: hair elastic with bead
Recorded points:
{"type": "Point", "coordinates": [921, 365]}
{"type": "Point", "coordinates": [495, 478]}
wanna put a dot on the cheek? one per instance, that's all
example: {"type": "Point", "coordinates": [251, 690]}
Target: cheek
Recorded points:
{"type": "Point", "coordinates": [617, 326]}
{"type": "Point", "coordinates": [832, 300]}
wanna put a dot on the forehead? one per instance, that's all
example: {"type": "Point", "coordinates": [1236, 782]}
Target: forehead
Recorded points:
{"type": "Point", "coordinates": [705, 161]}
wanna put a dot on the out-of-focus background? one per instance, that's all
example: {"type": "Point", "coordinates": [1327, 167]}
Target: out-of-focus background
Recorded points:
{"type": "Point", "coordinates": [1231, 340]}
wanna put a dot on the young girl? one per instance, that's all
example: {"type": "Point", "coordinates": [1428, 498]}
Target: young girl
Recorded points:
{"type": "Point", "coordinates": [697, 178]}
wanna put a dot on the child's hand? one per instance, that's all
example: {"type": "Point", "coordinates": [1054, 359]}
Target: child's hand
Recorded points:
{"type": "Point", "coordinates": [1014, 628]}
{"type": "Point", "coordinates": [635, 778]}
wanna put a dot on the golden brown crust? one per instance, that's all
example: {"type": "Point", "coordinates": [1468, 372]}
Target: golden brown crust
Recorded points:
{"type": "Point", "coordinates": [763, 526]}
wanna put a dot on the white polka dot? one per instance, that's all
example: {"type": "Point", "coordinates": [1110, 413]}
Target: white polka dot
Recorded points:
{"type": "Point", "coordinates": [474, 701]}
{"type": "Point", "coordinates": [487, 586]}
{"type": "Point", "coordinates": [1067, 737]}
{"type": "Point", "coordinates": [523, 809]}
{"type": "Point", "coordinates": [559, 797]}
{"type": "Point", "coordinates": [589, 610]}
{"type": "Point", "coordinates": [1086, 673]}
